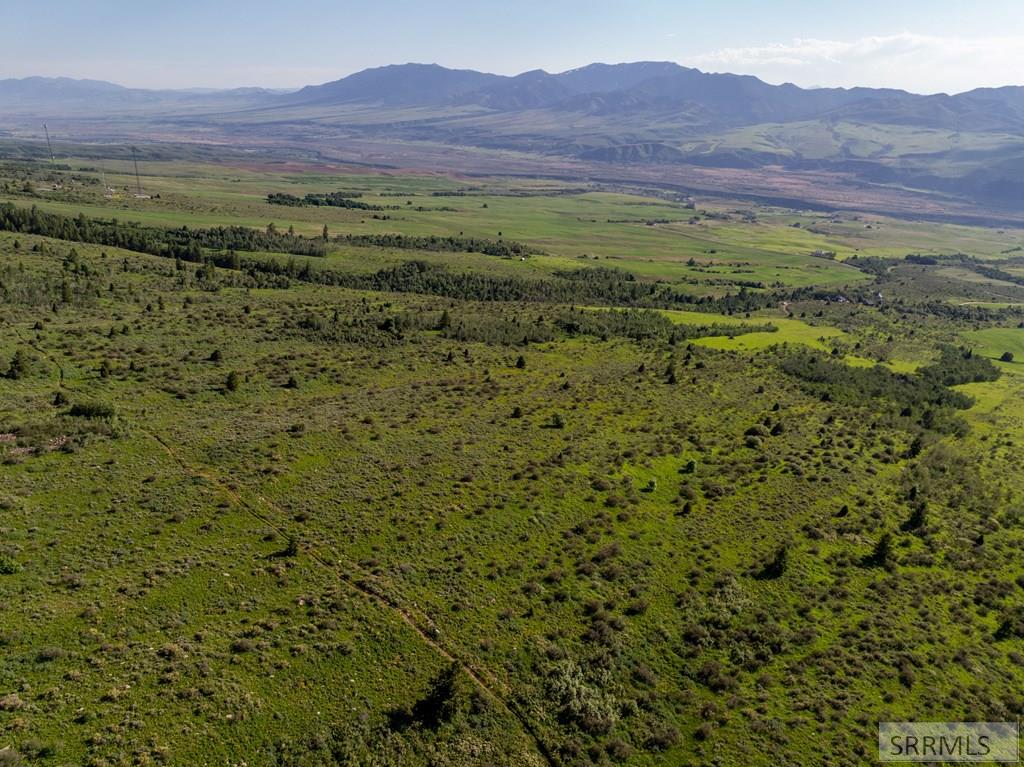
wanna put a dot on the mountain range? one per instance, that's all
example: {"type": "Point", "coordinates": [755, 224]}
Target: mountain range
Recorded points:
{"type": "Point", "coordinates": [968, 145]}
{"type": "Point", "coordinates": [607, 89]}
{"type": "Point", "coordinates": [659, 87]}
{"type": "Point", "coordinates": [60, 96]}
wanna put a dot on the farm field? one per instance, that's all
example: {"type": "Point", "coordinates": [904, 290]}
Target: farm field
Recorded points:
{"type": "Point", "coordinates": [653, 237]}
{"type": "Point", "coordinates": [495, 471]}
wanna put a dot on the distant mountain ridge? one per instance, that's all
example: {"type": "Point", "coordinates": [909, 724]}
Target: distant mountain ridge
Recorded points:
{"type": "Point", "coordinates": [593, 89]}
{"type": "Point", "coordinates": [661, 86]}
{"type": "Point", "coordinates": [397, 84]}
{"type": "Point", "coordinates": [646, 113]}
{"type": "Point", "coordinates": [57, 95]}
{"type": "Point", "coordinates": [596, 89]}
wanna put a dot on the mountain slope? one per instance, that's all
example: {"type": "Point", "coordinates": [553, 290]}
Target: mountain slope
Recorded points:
{"type": "Point", "coordinates": [63, 95]}
{"type": "Point", "coordinates": [642, 113]}
{"type": "Point", "coordinates": [605, 89]}
{"type": "Point", "coordinates": [530, 90]}
{"type": "Point", "coordinates": [660, 87]}
{"type": "Point", "coordinates": [401, 84]}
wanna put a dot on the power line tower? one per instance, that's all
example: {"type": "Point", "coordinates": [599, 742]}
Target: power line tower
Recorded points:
{"type": "Point", "coordinates": [48, 144]}
{"type": "Point", "coordinates": [138, 181]}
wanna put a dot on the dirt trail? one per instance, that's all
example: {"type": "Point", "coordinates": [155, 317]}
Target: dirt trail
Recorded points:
{"type": "Point", "coordinates": [362, 583]}
{"type": "Point", "coordinates": [49, 357]}
{"type": "Point", "coordinates": [352, 574]}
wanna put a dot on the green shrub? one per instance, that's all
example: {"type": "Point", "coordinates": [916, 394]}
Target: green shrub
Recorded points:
{"type": "Point", "coordinates": [21, 365]}
{"type": "Point", "coordinates": [92, 410]}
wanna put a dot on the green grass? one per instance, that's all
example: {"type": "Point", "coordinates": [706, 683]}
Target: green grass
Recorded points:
{"type": "Point", "coordinates": [994, 342]}
{"type": "Point", "coordinates": [581, 525]}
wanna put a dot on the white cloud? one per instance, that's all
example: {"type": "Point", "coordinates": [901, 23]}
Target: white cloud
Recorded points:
{"type": "Point", "coordinates": [921, 63]}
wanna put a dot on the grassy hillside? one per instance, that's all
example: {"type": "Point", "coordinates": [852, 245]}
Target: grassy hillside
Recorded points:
{"type": "Point", "coordinates": [261, 513]}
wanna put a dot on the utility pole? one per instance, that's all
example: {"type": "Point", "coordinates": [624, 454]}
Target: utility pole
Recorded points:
{"type": "Point", "coordinates": [138, 181]}
{"type": "Point", "coordinates": [48, 144]}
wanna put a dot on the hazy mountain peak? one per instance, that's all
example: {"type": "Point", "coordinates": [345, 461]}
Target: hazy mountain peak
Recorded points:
{"type": "Point", "coordinates": [37, 81]}
{"type": "Point", "coordinates": [398, 84]}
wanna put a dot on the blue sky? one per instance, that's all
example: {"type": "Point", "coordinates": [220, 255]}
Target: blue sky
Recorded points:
{"type": "Point", "coordinates": [926, 46]}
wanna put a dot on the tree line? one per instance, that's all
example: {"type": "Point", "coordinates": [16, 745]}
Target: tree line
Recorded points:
{"type": "Point", "coordinates": [600, 285]}
{"type": "Point", "coordinates": [184, 243]}
{"type": "Point", "coordinates": [503, 248]}
{"type": "Point", "coordinates": [924, 396]}
{"type": "Point", "coordinates": [644, 324]}
{"type": "Point", "coordinates": [187, 244]}
{"type": "Point", "coordinates": [329, 200]}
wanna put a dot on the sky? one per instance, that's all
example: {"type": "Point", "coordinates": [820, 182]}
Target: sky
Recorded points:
{"type": "Point", "coordinates": [926, 46]}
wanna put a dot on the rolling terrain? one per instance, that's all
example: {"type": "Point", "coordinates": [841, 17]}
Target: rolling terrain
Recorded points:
{"type": "Point", "coordinates": [306, 463]}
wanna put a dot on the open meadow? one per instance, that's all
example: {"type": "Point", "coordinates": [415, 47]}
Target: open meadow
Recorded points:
{"type": "Point", "coordinates": [356, 468]}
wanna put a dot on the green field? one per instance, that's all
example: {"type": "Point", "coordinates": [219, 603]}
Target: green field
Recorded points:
{"type": "Point", "coordinates": [701, 497]}
{"type": "Point", "coordinates": [994, 342]}
{"type": "Point", "coordinates": [651, 237]}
